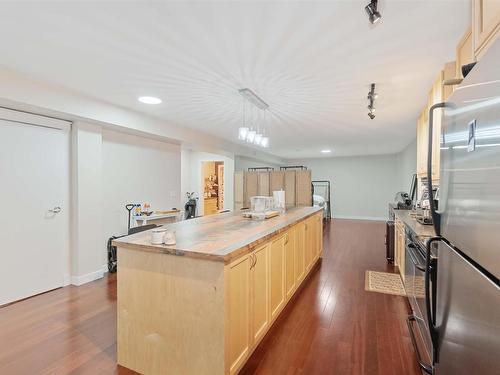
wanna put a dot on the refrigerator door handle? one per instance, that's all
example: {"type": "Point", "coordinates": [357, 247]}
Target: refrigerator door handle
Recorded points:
{"type": "Point", "coordinates": [430, 272]}
{"type": "Point", "coordinates": [435, 215]}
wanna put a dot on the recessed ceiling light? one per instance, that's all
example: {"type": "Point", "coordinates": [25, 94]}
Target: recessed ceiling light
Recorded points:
{"type": "Point", "coordinates": [326, 151]}
{"type": "Point", "coordinates": [149, 100]}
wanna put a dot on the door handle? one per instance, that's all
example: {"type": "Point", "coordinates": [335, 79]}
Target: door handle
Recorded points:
{"type": "Point", "coordinates": [424, 366]}
{"type": "Point", "coordinates": [430, 271]}
{"type": "Point", "coordinates": [55, 210]}
{"type": "Point", "coordinates": [411, 249]}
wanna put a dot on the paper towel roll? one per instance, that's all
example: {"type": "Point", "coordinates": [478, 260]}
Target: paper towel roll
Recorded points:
{"type": "Point", "coordinates": [279, 199]}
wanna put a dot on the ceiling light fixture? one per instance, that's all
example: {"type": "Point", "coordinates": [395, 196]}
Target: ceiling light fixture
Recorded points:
{"type": "Point", "coordinates": [326, 151]}
{"type": "Point", "coordinates": [149, 100]}
{"type": "Point", "coordinates": [371, 10]}
{"type": "Point", "coordinates": [372, 95]}
{"type": "Point", "coordinates": [255, 133]}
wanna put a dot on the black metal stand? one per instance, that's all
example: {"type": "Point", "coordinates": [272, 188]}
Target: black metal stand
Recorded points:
{"type": "Point", "coordinates": [327, 186]}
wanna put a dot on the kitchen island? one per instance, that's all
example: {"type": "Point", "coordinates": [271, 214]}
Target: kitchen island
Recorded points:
{"type": "Point", "coordinates": [203, 305]}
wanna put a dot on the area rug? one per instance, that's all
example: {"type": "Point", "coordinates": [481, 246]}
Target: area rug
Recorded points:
{"type": "Point", "coordinates": [384, 282]}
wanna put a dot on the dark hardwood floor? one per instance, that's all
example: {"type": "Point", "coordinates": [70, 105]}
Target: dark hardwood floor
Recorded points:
{"type": "Point", "coordinates": [333, 326]}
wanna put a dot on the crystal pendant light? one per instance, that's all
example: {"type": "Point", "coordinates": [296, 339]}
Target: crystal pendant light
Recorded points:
{"type": "Point", "coordinates": [251, 135]}
{"type": "Point", "coordinates": [242, 133]}
{"type": "Point", "coordinates": [258, 138]}
{"type": "Point", "coordinates": [264, 142]}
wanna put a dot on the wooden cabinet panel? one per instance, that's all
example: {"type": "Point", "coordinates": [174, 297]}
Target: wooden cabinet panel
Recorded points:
{"type": "Point", "coordinates": [239, 190]}
{"type": "Point", "coordinates": [300, 245]}
{"type": "Point", "coordinates": [465, 52]}
{"type": "Point", "coordinates": [303, 191]}
{"type": "Point", "coordinates": [449, 72]}
{"type": "Point", "coordinates": [310, 243]}
{"type": "Point", "coordinates": [485, 24]}
{"type": "Point", "coordinates": [251, 186]}
{"type": "Point", "coordinates": [260, 293]}
{"type": "Point", "coordinates": [277, 276]}
{"type": "Point", "coordinates": [290, 280]}
{"type": "Point", "coordinates": [238, 295]}
{"type": "Point", "coordinates": [263, 183]}
{"type": "Point", "coordinates": [277, 181]}
{"type": "Point", "coordinates": [290, 188]}
{"type": "Point", "coordinates": [318, 227]}
{"type": "Point", "coordinates": [422, 140]}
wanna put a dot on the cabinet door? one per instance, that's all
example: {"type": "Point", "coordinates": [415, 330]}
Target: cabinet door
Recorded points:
{"type": "Point", "coordinates": [238, 297]}
{"type": "Point", "coordinates": [239, 190]}
{"type": "Point", "coordinates": [300, 245]}
{"type": "Point", "coordinates": [319, 235]}
{"type": "Point", "coordinates": [465, 53]}
{"type": "Point", "coordinates": [422, 140]}
{"type": "Point", "coordinates": [449, 72]}
{"type": "Point", "coordinates": [264, 184]}
{"type": "Point", "coordinates": [277, 181]}
{"type": "Point", "coordinates": [277, 276]}
{"type": "Point", "coordinates": [260, 293]}
{"type": "Point", "coordinates": [437, 97]}
{"type": "Point", "coordinates": [290, 280]}
{"type": "Point", "coordinates": [290, 188]}
{"type": "Point", "coordinates": [310, 243]}
{"type": "Point", "coordinates": [303, 188]}
{"type": "Point", "coordinates": [486, 24]}
{"type": "Point", "coordinates": [251, 186]}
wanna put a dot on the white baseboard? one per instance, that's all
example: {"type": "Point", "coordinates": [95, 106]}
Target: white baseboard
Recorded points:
{"type": "Point", "coordinates": [66, 279]}
{"type": "Point", "coordinates": [372, 218]}
{"type": "Point", "coordinates": [87, 278]}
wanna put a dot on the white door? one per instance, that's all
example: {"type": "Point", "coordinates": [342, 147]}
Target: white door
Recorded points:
{"type": "Point", "coordinates": [33, 204]}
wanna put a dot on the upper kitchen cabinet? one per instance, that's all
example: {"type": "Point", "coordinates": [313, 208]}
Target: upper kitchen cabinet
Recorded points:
{"type": "Point", "coordinates": [465, 52]}
{"type": "Point", "coordinates": [448, 73]}
{"type": "Point", "coordinates": [422, 140]}
{"type": "Point", "coordinates": [485, 24]}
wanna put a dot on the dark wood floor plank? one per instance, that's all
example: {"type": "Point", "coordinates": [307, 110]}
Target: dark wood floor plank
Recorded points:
{"type": "Point", "coordinates": [332, 326]}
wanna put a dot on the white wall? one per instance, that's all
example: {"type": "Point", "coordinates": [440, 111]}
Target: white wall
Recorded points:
{"type": "Point", "coordinates": [362, 186]}
{"type": "Point", "coordinates": [242, 163]}
{"type": "Point", "coordinates": [406, 166]}
{"type": "Point", "coordinates": [87, 209]}
{"type": "Point", "coordinates": [192, 172]}
{"type": "Point", "coordinates": [137, 170]}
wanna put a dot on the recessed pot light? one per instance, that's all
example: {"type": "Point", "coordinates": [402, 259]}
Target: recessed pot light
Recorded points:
{"type": "Point", "coordinates": [149, 100]}
{"type": "Point", "coordinates": [326, 151]}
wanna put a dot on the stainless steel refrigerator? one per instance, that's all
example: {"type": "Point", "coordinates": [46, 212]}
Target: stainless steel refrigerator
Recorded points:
{"type": "Point", "coordinates": [464, 313]}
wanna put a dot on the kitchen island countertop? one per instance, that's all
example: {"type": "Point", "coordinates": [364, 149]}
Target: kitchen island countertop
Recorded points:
{"type": "Point", "coordinates": [222, 237]}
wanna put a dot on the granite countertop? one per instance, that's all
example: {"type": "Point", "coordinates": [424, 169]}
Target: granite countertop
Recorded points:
{"type": "Point", "coordinates": [221, 237]}
{"type": "Point", "coordinates": [422, 232]}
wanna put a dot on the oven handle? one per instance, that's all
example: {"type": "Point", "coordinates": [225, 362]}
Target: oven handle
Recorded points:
{"type": "Point", "coordinates": [424, 366]}
{"type": "Point", "coordinates": [411, 250]}
{"type": "Point", "coordinates": [430, 271]}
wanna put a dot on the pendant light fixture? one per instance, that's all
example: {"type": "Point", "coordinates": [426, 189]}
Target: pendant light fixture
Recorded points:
{"type": "Point", "coordinates": [253, 130]}
{"type": "Point", "coordinates": [373, 14]}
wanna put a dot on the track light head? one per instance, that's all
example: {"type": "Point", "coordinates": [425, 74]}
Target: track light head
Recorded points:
{"type": "Point", "coordinates": [373, 14]}
{"type": "Point", "coordinates": [371, 115]}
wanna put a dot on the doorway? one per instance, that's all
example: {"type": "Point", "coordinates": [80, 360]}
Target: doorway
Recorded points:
{"type": "Point", "coordinates": [34, 235]}
{"type": "Point", "coordinates": [213, 186]}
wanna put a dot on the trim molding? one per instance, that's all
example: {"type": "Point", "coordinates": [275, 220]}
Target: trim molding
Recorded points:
{"type": "Point", "coordinates": [372, 218]}
{"type": "Point", "coordinates": [83, 279]}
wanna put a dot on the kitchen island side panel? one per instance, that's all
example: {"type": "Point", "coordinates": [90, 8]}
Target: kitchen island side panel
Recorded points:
{"type": "Point", "coordinates": [170, 314]}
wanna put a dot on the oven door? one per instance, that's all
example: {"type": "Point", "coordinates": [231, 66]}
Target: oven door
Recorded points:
{"type": "Point", "coordinates": [417, 322]}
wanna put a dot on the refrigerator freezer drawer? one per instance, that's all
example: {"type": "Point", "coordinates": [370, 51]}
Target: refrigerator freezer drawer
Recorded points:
{"type": "Point", "coordinates": [467, 317]}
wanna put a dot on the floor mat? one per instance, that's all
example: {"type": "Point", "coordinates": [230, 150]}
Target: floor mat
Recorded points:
{"type": "Point", "coordinates": [384, 282]}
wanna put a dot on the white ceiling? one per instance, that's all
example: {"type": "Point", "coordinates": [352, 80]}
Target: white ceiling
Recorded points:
{"type": "Point", "coordinates": [311, 61]}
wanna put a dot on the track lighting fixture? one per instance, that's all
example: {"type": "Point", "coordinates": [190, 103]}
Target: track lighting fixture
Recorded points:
{"type": "Point", "coordinates": [373, 14]}
{"type": "Point", "coordinates": [372, 95]}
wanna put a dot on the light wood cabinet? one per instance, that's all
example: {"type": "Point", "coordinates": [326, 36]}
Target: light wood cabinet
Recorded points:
{"type": "Point", "coordinates": [449, 72]}
{"type": "Point", "coordinates": [422, 140]}
{"type": "Point", "coordinates": [310, 242]}
{"type": "Point", "coordinates": [303, 192]}
{"type": "Point", "coordinates": [239, 190]}
{"type": "Point", "coordinates": [290, 279]}
{"type": "Point", "coordinates": [290, 189]}
{"type": "Point", "coordinates": [485, 24]}
{"type": "Point", "coordinates": [277, 276]}
{"type": "Point", "coordinates": [238, 293]}
{"type": "Point", "coordinates": [263, 183]}
{"type": "Point", "coordinates": [465, 52]}
{"type": "Point", "coordinates": [300, 253]}
{"type": "Point", "coordinates": [259, 277]}
{"type": "Point", "coordinates": [400, 248]}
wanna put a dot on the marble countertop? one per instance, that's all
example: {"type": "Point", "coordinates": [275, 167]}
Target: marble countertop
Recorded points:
{"type": "Point", "coordinates": [423, 232]}
{"type": "Point", "coordinates": [221, 237]}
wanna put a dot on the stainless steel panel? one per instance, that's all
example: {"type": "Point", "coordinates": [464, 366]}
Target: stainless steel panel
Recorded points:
{"type": "Point", "coordinates": [467, 316]}
{"type": "Point", "coordinates": [470, 177]}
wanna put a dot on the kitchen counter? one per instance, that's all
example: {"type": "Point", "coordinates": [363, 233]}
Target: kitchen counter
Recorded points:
{"type": "Point", "coordinates": [203, 305]}
{"type": "Point", "coordinates": [422, 232]}
{"type": "Point", "coordinates": [221, 237]}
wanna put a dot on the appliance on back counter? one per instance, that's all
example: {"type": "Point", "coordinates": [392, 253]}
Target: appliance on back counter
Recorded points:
{"type": "Point", "coordinates": [402, 201]}
{"type": "Point", "coordinates": [462, 263]}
